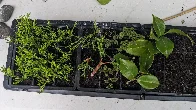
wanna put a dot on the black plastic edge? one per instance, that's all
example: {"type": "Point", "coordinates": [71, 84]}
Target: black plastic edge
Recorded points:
{"type": "Point", "coordinates": [9, 57]}
{"type": "Point", "coordinates": [117, 91]}
{"type": "Point", "coordinates": [183, 28]}
{"type": "Point", "coordinates": [170, 98]}
{"type": "Point", "coordinates": [91, 94]}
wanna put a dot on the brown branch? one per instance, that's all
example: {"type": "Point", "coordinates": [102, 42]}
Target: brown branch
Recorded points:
{"type": "Point", "coordinates": [87, 60]}
{"type": "Point", "coordinates": [98, 66]}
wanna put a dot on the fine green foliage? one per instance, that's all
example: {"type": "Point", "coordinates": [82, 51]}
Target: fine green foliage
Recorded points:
{"type": "Point", "coordinates": [46, 54]}
{"type": "Point", "coordinates": [111, 75]}
{"type": "Point", "coordinates": [97, 43]}
{"type": "Point", "coordinates": [39, 54]}
{"type": "Point", "coordinates": [146, 49]}
{"type": "Point", "coordinates": [103, 2]}
{"type": "Point", "coordinates": [127, 35]}
{"type": "Point", "coordinates": [85, 67]}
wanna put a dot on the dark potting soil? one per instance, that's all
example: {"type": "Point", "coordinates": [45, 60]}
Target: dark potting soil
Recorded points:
{"type": "Point", "coordinates": [100, 79]}
{"type": "Point", "coordinates": [177, 73]}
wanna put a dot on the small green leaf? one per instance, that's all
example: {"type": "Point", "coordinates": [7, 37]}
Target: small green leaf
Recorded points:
{"type": "Point", "coordinates": [103, 2]}
{"type": "Point", "coordinates": [119, 56]}
{"type": "Point", "coordinates": [128, 69]}
{"type": "Point", "coordinates": [165, 46]}
{"type": "Point", "coordinates": [179, 32]}
{"type": "Point", "coordinates": [145, 62]}
{"type": "Point", "coordinates": [148, 81]}
{"type": "Point", "coordinates": [159, 26]}
{"type": "Point", "coordinates": [113, 79]}
{"type": "Point", "coordinates": [137, 48]}
{"type": "Point", "coordinates": [152, 36]}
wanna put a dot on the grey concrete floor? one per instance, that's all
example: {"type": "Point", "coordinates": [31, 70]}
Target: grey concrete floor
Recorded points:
{"type": "Point", "coordinates": [132, 11]}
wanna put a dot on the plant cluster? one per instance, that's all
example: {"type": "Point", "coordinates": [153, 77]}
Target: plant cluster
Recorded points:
{"type": "Point", "coordinates": [40, 52]}
{"type": "Point", "coordinates": [45, 54]}
{"type": "Point", "coordinates": [136, 45]}
{"type": "Point", "coordinates": [146, 49]}
{"type": "Point", "coordinates": [99, 43]}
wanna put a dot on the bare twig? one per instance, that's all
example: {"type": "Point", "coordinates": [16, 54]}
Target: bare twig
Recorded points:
{"type": "Point", "coordinates": [98, 66]}
{"type": "Point", "coordinates": [87, 60]}
{"type": "Point", "coordinates": [180, 14]}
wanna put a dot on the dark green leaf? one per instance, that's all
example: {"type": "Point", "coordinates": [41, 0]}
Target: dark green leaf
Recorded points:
{"type": "Point", "coordinates": [152, 49]}
{"type": "Point", "coordinates": [159, 26]}
{"type": "Point", "coordinates": [165, 46]}
{"type": "Point", "coordinates": [145, 62]}
{"type": "Point", "coordinates": [148, 81]}
{"type": "Point", "coordinates": [128, 69]}
{"type": "Point", "coordinates": [103, 2]}
{"type": "Point", "coordinates": [137, 48]}
{"type": "Point", "coordinates": [179, 32]}
{"type": "Point", "coordinates": [119, 56]}
{"type": "Point", "coordinates": [152, 36]}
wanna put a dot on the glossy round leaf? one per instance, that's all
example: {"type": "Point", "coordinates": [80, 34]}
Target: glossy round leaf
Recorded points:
{"type": "Point", "coordinates": [137, 48]}
{"type": "Point", "coordinates": [148, 81]}
{"type": "Point", "coordinates": [165, 46]}
{"type": "Point", "coordinates": [119, 56]}
{"type": "Point", "coordinates": [128, 69]}
{"type": "Point", "coordinates": [145, 62]}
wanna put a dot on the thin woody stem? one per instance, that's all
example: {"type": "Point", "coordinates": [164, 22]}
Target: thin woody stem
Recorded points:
{"type": "Point", "coordinates": [98, 67]}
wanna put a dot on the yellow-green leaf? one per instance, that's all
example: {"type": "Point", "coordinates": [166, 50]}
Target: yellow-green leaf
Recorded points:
{"type": "Point", "coordinates": [103, 2]}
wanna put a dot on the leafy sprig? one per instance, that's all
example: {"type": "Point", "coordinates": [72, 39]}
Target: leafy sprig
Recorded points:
{"type": "Point", "coordinates": [146, 49]}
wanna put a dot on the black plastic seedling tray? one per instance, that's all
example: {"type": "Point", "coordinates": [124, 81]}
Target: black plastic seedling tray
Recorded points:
{"type": "Point", "coordinates": [176, 73]}
{"type": "Point", "coordinates": [31, 84]}
{"type": "Point", "coordinates": [179, 67]}
{"type": "Point", "coordinates": [105, 26]}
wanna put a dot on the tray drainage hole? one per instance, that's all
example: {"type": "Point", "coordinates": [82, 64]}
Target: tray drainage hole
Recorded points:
{"type": "Point", "coordinates": [142, 96]}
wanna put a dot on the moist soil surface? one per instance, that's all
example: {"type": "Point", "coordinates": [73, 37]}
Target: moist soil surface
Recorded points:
{"type": "Point", "coordinates": [177, 73]}
{"type": "Point", "coordinates": [100, 79]}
